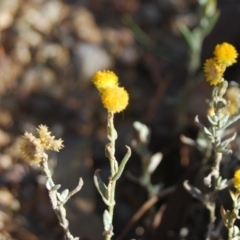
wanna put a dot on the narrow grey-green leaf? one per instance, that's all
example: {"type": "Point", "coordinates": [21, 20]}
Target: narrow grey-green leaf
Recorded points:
{"type": "Point", "coordinates": [143, 132]}
{"type": "Point", "coordinates": [195, 192]}
{"type": "Point", "coordinates": [49, 184]}
{"type": "Point", "coordinates": [64, 194]}
{"type": "Point", "coordinates": [219, 179]}
{"type": "Point", "coordinates": [223, 120]}
{"type": "Point", "coordinates": [201, 126]}
{"type": "Point", "coordinates": [224, 183]}
{"type": "Point", "coordinates": [227, 141]}
{"type": "Point", "coordinates": [235, 231]}
{"type": "Point", "coordinates": [211, 120]}
{"type": "Point", "coordinates": [187, 35]}
{"type": "Point", "coordinates": [231, 120]}
{"type": "Point", "coordinates": [101, 187]}
{"type": "Point", "coordinates": [233, 196]}
{"type": "Point", "coordinates": [207, 131]}
{"type": "Point", "coordinates": [211, 23]}
{"type": "Point", "coordinates": [122, 164]}
{"type": "Point", "coordinates": [59, 197]}
{"type": "Point", "coordinates": [224, 151]}
{"type": "Point", "coordinates": [56, 187]}
{"type": "Point", "coordinates": [154, 162]}
{"type": "Point", "coordinates": [107, 221]}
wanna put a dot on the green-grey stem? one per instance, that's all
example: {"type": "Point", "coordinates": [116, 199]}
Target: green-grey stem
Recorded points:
{"type": "Point", "coordinates": [56, 204]}
{"type": "Point", "coordinates": [113, 164]}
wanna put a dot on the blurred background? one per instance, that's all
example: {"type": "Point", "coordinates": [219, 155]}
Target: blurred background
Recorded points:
{"type": "Point", "coordinates": [49, 51]}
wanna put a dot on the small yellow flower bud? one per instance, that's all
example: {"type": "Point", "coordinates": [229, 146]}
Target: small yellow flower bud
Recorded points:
{"type": "Point", "coordinates": [236, 180]}
{"type": "Point", "coordinates": [115, 99]}
{"type": "Point", "coordinates": [225, 54]}
{"type": "Point", "coordinates": [105, 79]}
{"type": "Point", "coordinates": [213, 72]}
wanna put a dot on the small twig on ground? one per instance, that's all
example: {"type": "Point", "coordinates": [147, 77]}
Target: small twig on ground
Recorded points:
{"type": "Point", "coordinates": [143, 209]}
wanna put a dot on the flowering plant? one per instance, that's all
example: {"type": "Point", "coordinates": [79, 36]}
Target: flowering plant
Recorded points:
{"type": "Point", "coordinates": [219, 118]}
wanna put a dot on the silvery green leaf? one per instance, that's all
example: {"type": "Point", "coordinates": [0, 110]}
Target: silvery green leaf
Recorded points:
{"type": "Point", "coordinates": [107, 221]}
{"type": "Point", "coordinates": [238, 206]}
{"type": "Point", "coordinates": [223, 120]}
{"type": "Point", "coordinates": [187, 140]}
{"type": "Point", "coordinates": [115, 165]}
{"type": "Point", "coordinates": [101, 187]}
{"type": "Point", "coordinates": [59, 197]}
{"type": "Point", "coordinates": [235, 231]}
{"type": "Point", "coordinates": [209, 8]}
{"type": "Point", "coordinates": [220, 123]}
{"type": "Point", "coordinates": [56, 187]}
{"type": "Point", "coordinates": [233, 196]}
{"type": "Point", "coordinates": [224, 151]}
{"type": "Point", "coordinates": [211, 23]}
{"type": "Point", "coordinates": [215, 118]}
{"type": "Point", "coordinates": [143, 132]}
{"type": "Point", "coordinates": [211, 120]}
{"type": "Point", "coordinates": [213, 131]}
{"type": "Point", "coordinates": [64, 194]}
{"type": "Point", "coordinates": [231, 120]}
{"type": "Point", "coordinates": [122, 164]}
{"type": "Point", "coordinates": [231, 138]}
{"type": "Point", "coordinates": [187, 35]}
{"type": "Point", "coordinates": [49, 184]}
{"type": "Point", "coordinates": [217, 139]}
{"type": "Point", "coordinates": [202, 2]}
{"type": "Point", "coordinates": [227, 141]}
{"type": "Point", "coordinates": [224, 182]}
{"type": "Point", "coordinates": [195, 192]}
{"type": "Point", "coordinates": [201, 126]}
{"type": "Point", "coordinates": [223, 145]}
{"type": "Point", "coordinates": [215, 92]}
{"type": "Point", "coordinates": [219, 179]}
{"type": "Point", "coordinates": [208, 180]}
{"type": "Point", "coordinates": [154, 162]}
{"type": "Point", "coordinates": [207, 131]}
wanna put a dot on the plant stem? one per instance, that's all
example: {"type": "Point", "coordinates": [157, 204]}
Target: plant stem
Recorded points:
{"type": "Point", "coordinates": [57, 205]}
{"type": "Point", "coordinates": [211, 205]}
{"type": "Point", "coordinates": [112, 135]}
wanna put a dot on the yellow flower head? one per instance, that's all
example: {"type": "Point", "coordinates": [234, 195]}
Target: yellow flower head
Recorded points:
{"type": "Point", "coordinates": [233, 97]}
{"type": "Point", "coordinates": [233, 94]}
{"type": "Point", "coordinates": [31, 148]}
{"type": "Point", "coordinates": [48, 142]}
{"type": "Point", "coordinates": [236, 180]}
{"type": "Point", "coordinates": [231, 109]}
{"type": "Point", "coordinates": [225, 54]}
{"type": "Point", "coordinates": [213, 71]}
{"type": "Point", "coordinates": [115, 99]}
{"type": "Point", "coordinates": [105, 79]}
